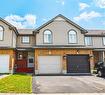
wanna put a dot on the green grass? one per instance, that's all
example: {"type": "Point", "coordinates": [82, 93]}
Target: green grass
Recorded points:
{"type": "Point", "coordinates": [17, 83]}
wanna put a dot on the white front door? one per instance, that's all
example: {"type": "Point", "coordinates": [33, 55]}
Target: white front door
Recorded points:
{"type": "Point", "coordinates": [49, 64]}
{"type": "Point", "coordinates": [4, 63]}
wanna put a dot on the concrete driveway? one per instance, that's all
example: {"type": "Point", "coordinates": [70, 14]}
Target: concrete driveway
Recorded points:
{"type": "Point", "coordinates": [68, 84]}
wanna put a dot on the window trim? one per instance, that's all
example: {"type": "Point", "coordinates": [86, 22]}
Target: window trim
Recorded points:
{"type": "Point", "coordinates": [91, 41]}
{"type": "Point", "coordinates": [76, 37]}
{"type": "Point", "coordinates": [3, 33]}
{"type": "Point", "coordinates": [103, 41]}
{"type": "Point", "coordinates": [25, 42]}
{"type": "Point", "coordinates": [51, 37]}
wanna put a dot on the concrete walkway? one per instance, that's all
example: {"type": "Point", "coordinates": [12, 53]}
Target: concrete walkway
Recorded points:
{"type": "Point", "coordinates": [57, 94]}
{"type": "Point", "coordinates": [3, 76]}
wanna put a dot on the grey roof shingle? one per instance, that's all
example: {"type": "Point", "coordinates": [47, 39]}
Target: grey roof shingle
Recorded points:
{"type": "Point", "coordinates": [96, 32]}
{"type": "Point", "coordinates": [25, 31]}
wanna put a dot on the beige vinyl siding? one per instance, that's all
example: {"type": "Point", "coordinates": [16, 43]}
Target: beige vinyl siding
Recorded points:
{"type": "Point", "coordinates": [30, 44]}
{"type": "Point", "coordinates": [60, 30]}
{"type": "Point", "coordinates": [14, 40]}
{"type": "Point", "coordinates": [97, 42]}
{"type": "Point", "coordinates": [7, 36]}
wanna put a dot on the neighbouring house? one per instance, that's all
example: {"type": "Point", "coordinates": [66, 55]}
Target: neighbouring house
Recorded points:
{"type": "Point", "coordinates": [59, 46]}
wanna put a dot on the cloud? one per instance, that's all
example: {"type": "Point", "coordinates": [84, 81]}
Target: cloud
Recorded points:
{"type": "Point", "coordinates": [100, 3]}
{"type": "Point", "coordinates": [87, 16]}
{"type": "Point", "coordinates": [83, 6]}
{"type": "Point", "coordinates": [104, 23]}
{"type": "Point", "coordinates": [62, 2]}
{"type": "Point", "coordinates": [27, 21]}
{"type": "Point", "coordinates": [44, 19]}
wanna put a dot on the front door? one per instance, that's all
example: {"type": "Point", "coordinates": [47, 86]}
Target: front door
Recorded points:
{"type": "Point", "coordinates": [21, 64]}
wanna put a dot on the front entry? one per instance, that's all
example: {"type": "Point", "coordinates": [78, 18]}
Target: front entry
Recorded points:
{"type": "Point", "coordinates": [25, 62]}
{"type": "Point", "coordinates": [78, 64]}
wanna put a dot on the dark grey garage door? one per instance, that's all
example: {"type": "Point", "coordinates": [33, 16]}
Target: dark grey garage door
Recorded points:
{"type": "Point", "coordinates": [78, 64]}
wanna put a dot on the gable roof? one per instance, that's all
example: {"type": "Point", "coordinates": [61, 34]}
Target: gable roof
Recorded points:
{"type": "Point", "coordinates": [10, 25]}
{"type": "Point", "coordinates": [66, 19]}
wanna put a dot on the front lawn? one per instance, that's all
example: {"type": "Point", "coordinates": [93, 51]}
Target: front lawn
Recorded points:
{"type": "Point", "coordinates": [17, 83]}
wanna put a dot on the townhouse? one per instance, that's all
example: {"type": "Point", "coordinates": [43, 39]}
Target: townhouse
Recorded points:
{"type": "Point", "coordinates": [59, 46]}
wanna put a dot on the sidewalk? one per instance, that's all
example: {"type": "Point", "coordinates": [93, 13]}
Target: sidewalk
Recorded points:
{"type": "Point", "coordinates": [57, 94]}
{"type": "Point", "coordinates": [3, 76]}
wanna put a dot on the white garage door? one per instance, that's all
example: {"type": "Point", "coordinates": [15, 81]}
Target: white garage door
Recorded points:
{"type": "Point", "coordinates": [4, 63]}
{"type": "Point", "coordinates": [49, 64]}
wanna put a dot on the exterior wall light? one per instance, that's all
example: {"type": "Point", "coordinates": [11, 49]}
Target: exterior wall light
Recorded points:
{"type": "Point", "coordinates": [77, 51]}
{"type": "Point", "coordinates": [91, 55]}
{"type": "Point", "coordinates": [49, 52]}
{"type": "Point", "coordinates": [64, 56]}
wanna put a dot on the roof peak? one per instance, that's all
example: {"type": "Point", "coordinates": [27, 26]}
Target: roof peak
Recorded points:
{"type": "Point", "coordinates": [66, 19]}
{"type": "Point", "coordinates": [60, 15]}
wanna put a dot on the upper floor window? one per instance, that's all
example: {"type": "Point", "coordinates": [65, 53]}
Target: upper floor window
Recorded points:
{"type": "Point", "coordinates": [25, 39]}
{"type": "Point", "coordinates": [47, 36]}
{"type": "Point", "coordinates": [72, 36]}
{"type": "Point", "coordinates": [1, 33]}
{"type": "Point", "coordinates": [103, 40]}
{"type": "Point", "coordinates": [88, 41]}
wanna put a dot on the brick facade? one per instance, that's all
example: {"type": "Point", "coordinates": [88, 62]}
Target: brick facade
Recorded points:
{"type": "Point", "coordinates": [62, 53]}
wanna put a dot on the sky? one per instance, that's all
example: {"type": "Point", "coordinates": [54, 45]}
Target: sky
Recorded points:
{"type": "Point", "coordinates": [89, 14]}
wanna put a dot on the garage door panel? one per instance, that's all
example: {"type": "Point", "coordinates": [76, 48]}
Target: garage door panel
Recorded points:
{"type": "Point", "coordinates": [78, 64]}
{"type": "Point", "coordinates": [47, 67]}
{"type": "Point", "coordinates": [4, 63]}
{"type": "Point", "coordinates": [49, 64]}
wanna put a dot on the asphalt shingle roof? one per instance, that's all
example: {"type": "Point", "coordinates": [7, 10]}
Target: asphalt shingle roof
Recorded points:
{"type": "Point", "coordinates": [95, 32]}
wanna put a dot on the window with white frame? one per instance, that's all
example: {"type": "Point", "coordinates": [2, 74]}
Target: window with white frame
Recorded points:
{"type": "Point", "coordinates": [103, 40]}
{"type": "Point", "coordinates": [1, 32]}
{"type": "Point", "coordinates": [47, 36]}
{"type": "Point", "coordinates": [25, 39]}
{"type": "Point", "coordinates": [88, 41]}
{"type": "Point", "coordinates": [72, 36]}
